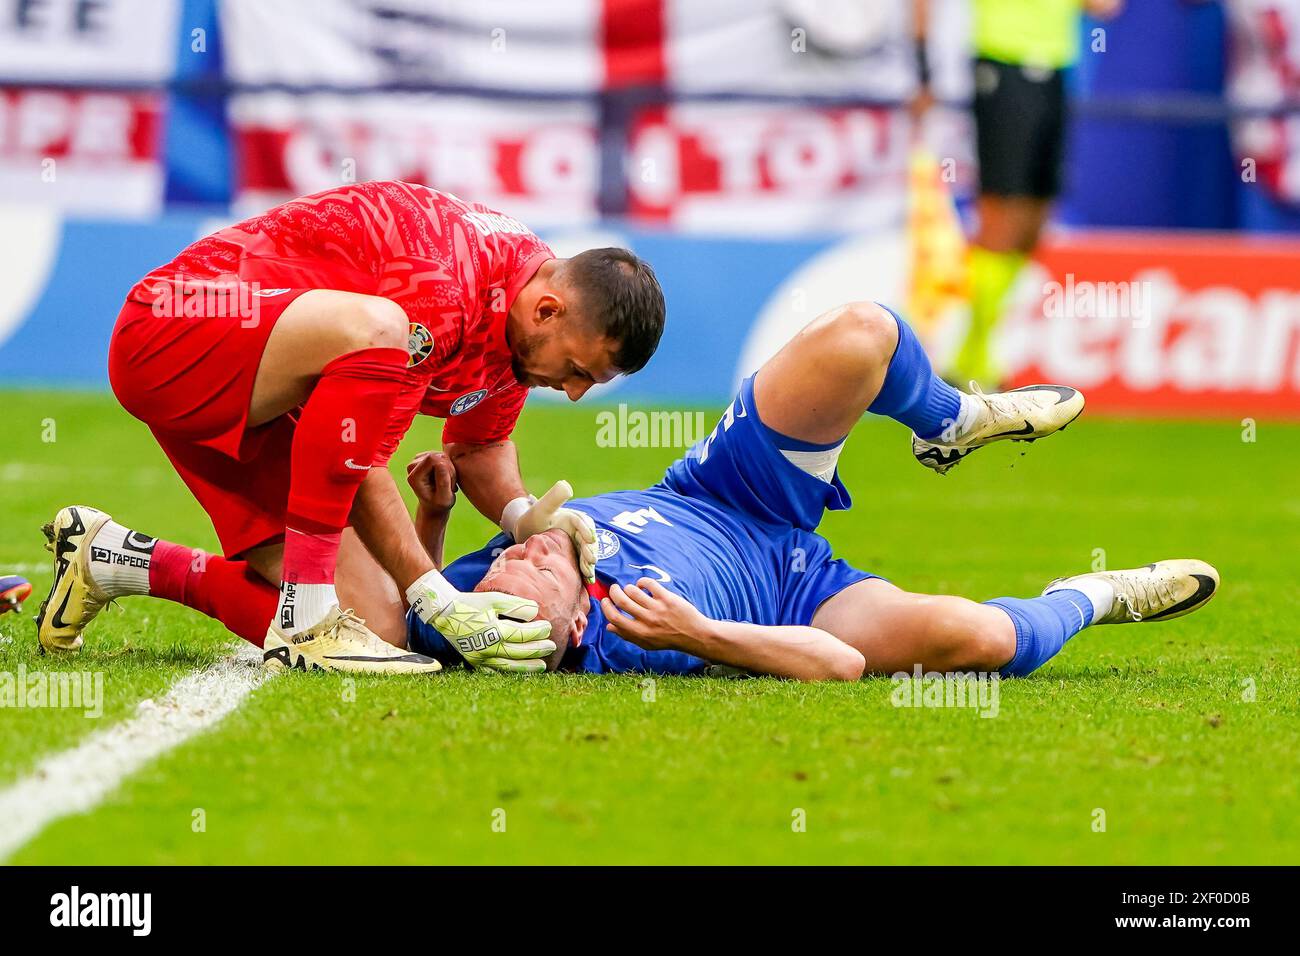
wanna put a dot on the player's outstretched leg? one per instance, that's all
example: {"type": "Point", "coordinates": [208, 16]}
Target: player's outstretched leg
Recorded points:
{"type": "Point", "coordinates": [98, 560]}
{"type": "Point", "coordinates": [895, 630]}
{"type": "Point", "coordinates": [1160, 591]}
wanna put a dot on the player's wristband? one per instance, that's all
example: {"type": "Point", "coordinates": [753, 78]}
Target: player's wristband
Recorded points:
{"type": "Point", "coordinates": [512, 512]}
{"type": "Point", "coordinates": [922, 62]}
{"type": "Point", "coordinates": [429, 594]}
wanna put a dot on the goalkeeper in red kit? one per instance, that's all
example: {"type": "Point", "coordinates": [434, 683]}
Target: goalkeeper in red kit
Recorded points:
{"type": "Point", "coordinates": [279, 362]}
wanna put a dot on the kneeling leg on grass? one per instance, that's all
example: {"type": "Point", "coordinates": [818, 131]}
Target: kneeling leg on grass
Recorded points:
{"type": "Point", "coordinates": [108, 561]}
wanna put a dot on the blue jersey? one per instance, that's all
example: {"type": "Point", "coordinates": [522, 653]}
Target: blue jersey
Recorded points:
{"type": "Point", "coordinates": [730, 528]}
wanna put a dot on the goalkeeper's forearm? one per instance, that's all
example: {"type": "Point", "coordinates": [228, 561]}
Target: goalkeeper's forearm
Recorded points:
{"type": "Point", "coordinates": [383, 524]}
{"type": "Point", "coordinates": [488, 475]}
{"type": "Point", "coordinates": [793, 651]}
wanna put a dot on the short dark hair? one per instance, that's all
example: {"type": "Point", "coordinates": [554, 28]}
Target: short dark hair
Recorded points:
{"type": "Point", "coordinates": [619, 292]}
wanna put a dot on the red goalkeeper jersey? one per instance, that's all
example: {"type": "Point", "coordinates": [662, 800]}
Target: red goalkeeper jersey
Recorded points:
{"type": "Point", "coordinates": [455, 267]}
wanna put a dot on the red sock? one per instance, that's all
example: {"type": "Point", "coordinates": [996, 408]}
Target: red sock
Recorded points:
{"type": "Point", "coordinates": [312, 556]}
{"type": "Point", "coordinates": [229, 591]}
{"type": "Point", "coordinates": [342, 426]}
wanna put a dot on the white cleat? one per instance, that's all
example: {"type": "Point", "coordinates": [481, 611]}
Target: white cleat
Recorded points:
{"type": "Point", "coordinates": [1158, 592]}
{"type": "Point", "coordinates": [74, 598]}
{"type": "Point", "coordinates": [341, 642]}
{"type": "Point", "coordinates": [1022, 414]}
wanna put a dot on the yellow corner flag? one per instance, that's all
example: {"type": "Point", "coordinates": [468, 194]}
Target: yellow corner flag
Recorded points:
{"type": "Point", "coordinates": [937, 246]}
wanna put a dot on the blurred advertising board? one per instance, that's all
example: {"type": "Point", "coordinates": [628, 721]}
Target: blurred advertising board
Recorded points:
{"type": "Point", "coordinates": [537, 160]}
{"type": "Point", "coordinates": [1168, 324]}
{"type": "Point", "coordinates": [79, 105]}
{"type": "Point", "coordinates": [1163, 323]}
{"type": "Point", "coordinates": [90, 151]}
{"type": "Point", "coordinates": [540, 107]}
{"type": "Point", "coordinates": [89, 42]}
{"type": "Point", "coordinates": [723, 168]}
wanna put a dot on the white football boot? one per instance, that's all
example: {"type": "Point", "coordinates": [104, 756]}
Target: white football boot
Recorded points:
{"type": "Point", "coordinates": [341, 642]}
{"type": "Point", "coordinates": [1158, 592]}
{"type": "Point", "coordinates": [74, 598]}
{"type": "Point", "coordinates": [1022, 414]}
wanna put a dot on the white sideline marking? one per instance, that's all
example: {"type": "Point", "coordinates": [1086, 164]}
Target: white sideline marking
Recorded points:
{"type": "Point", "coordinates": [77, 780]}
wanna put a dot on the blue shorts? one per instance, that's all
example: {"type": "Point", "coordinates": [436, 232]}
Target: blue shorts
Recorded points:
{"type": "Point", "coordinates": [740, 467]}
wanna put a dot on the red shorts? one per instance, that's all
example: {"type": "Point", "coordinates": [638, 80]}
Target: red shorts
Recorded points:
{"type": "Point", "coordinates": [190, 380]}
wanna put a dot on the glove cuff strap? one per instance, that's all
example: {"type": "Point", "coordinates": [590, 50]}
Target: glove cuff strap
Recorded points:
{"type": "Point", "coordinates": [428, 595]}
{"type": "Point", "coordinates": [512, 512]}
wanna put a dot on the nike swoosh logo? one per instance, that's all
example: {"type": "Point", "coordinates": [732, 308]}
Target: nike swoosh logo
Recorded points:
{"type": "Point", "coordinates": [62, 549]}
{"type": "Point", "coordinates": [663, 575]}
{"type": "Point", "coordinates": [1083, 621]}
{"type": "Point", "coordinates": [1027, 430]}
{"type": "Point", "coordinates": [57, 620]}
{"type": "Point", "coordinates": [1204, 590]}
{"type": "Point", "coordinates": [404, 659]}
{"type": "Point", "coordinates": [1063, 392]}
{"type": "Point", "coordinates": [354, 466]}
{"type": "Point", "coordinates": [280, 654]}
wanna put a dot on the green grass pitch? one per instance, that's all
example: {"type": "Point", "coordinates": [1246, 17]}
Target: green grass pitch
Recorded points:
{"type": "Point", "coordinates": [1183, 734]}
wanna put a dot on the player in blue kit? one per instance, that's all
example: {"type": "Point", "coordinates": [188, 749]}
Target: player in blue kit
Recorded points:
{"type": "Point", "coordinates": [719, 563]}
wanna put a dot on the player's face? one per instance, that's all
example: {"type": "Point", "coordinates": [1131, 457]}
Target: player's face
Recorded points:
{"type": "Point", "coordinates": [543, 569]}
{"type": "Point", "coordinates": [562, 355]}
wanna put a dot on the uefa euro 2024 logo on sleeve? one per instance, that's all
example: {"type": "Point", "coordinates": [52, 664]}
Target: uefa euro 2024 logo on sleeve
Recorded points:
{"type": "Point", "coordinates": [419, 344]}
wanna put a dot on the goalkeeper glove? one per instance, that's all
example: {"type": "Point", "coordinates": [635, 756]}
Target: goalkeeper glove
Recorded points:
{"type": "Point", "coordinates": [525, 517]}
{"type": "Point", "coordinates": [487, 628]}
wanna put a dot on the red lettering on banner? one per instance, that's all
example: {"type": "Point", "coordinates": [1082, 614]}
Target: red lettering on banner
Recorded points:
{"type": "Point", "coordinates": [724, 151]}
{"type": "Point", "coordinates": [556, 162]}
{"type": "Point", "coordinates": [78, 124]}
{"type": "Point", "coordinates": [1163, 324]}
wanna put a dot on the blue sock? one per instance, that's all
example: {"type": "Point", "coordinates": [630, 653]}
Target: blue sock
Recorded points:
{"type": "Point", "coordinates": [912, 393]}
{"type": "Point", "coordinates": [1043, 625]}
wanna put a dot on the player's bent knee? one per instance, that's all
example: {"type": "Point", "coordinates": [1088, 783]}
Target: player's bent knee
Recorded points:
{"type": "Point", "coordinates": [267, 561]}
{"type": "Point", "coordinates": [377, 323]}
{"type": "Point", "coordinates": [866, 331]}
